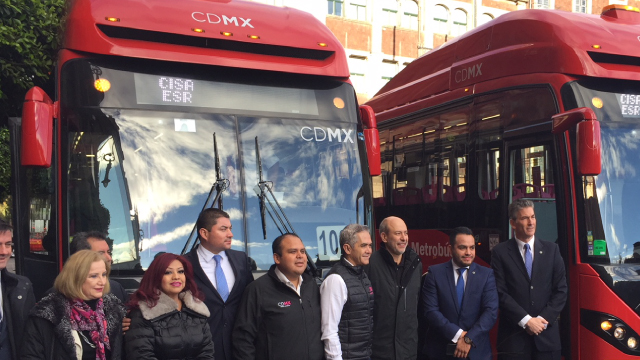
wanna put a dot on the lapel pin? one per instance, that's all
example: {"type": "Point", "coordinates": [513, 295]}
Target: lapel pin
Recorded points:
{"type": "Point", "coordinates": [540, 252]}
{"type": "Point", "coordinates": [473, 272]}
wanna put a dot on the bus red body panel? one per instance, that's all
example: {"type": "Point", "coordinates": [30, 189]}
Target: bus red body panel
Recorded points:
{"type": "Point", "coordinates": [37, 128]}
{"type": "Point", "coordinates": [162, 31]}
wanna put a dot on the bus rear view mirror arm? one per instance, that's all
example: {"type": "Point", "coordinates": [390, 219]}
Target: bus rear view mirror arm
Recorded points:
{"type": "Point", "coordinates": [38, 113]}
{"type": "Point", "coordinates": [589, 144]}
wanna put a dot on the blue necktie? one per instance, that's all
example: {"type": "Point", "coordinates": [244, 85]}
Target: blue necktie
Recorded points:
{"type": "Point", "coordinates": [460, 286]}
{"type": "Point", "coordinates": [221, 281]}
{"type": "Point", "coordinates": [528, 259]}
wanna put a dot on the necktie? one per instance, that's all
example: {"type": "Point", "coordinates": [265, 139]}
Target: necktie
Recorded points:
{"type": "Point", "coordinates": [460, 286]}
{"type": "Point", "coordinates": [221, 281]}
{"type": "Point", "coordinates": [528, 259]}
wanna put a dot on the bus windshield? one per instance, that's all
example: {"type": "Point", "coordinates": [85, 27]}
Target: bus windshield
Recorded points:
{"type": "Point", "coordinates": [612, 199]}
{"type": "Point", "coordinates": [142, 163]}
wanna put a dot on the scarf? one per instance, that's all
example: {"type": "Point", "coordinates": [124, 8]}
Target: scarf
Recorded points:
{"type": "Point", "coordinates": [83, 318]}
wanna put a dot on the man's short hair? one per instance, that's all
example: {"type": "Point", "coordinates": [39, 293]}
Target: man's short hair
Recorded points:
{"type": "Point", "coordinates": [80, 240]}
{"type": "Point", "coordinates": [458, 231]}
{"type": "Point", "coordinates": [384, 226]}
{"type": "Point", "coordinates": [74, 273]}
{"type": "Point", "coordinates": [208, 218]}
{"type": "Point", "coordinates": [5, 226]}
{"type": "Point", "coordinates": [348, 235]}
{"type": "Point", "coordinates": [518, 205]}
{"type": "Point", "coordinates": [276, 246]}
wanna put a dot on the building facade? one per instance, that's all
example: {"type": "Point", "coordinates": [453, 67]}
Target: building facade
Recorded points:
{"type": "Point", "coordinates": [382, 36]}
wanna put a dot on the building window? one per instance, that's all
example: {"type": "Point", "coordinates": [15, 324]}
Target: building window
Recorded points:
{"type": "Point", "coordinates": [542, 4]}
{"type": "Point", "coordinates": [440, 19]}
{"type": "Point", "coordinates": [388, 70]}
{"type": "Point", "coordinates": [410, 15]}
{"type": "Point", "coordinates": [335, 7]}
{"type": "Point", "coordinates": [580, 6]}
{"type": "Point", "coordinates": [485, 18]}
{"type": "Point", "coordinates": [390, 13]}
{"type": "Point", "coordinates": [459, 22]}
{"type": "Point", "coordinates": [357, 10]}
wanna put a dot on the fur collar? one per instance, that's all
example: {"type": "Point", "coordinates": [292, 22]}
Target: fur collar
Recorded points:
{"type": "Point", "coordinates": [56, 309]}
{"type": "Point", "coordinates": [166, 305]}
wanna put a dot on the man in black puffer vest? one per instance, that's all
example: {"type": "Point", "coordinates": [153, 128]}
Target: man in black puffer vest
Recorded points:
{"type": "Point", "coordinates": [347, 299]}
{"type": "Point", "coordinates": [279, 316]}
{"type": "Point", "coordinates": [394, 271]}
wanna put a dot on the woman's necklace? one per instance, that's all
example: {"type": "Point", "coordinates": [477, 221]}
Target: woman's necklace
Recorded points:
{"type": "Point", "coordinates": [93, 346]}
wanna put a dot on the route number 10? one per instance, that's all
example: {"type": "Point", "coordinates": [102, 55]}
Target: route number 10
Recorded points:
{"type": "Point", "coordinates": [328, 242]}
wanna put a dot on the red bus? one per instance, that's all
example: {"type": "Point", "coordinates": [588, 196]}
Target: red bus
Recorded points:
{"type": "Point", "coordinates": [165, 108]}
{"type": "Point", "coordinates": [536, 104]}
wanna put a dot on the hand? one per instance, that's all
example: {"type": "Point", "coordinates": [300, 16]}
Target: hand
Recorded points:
{"type": "Point", "coordinates": [535, 326]}
{"type": "Point", "coordinates": [462, 348]}
{"type": "Point", "coordinates": [126, 322]}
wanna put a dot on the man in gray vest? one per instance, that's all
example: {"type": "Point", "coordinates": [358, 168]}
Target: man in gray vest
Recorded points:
{"type": "Point", "coordinates": [16, 299]}
{"type": "Point", "coordinates": [347, 299]}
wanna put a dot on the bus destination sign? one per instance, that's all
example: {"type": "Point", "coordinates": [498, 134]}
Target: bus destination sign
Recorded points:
{"type": "Point", "coordinates": [629, 105]}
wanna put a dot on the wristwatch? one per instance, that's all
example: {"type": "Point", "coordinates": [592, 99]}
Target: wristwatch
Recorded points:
{"type": "Point", "coordinates": [468, 340]}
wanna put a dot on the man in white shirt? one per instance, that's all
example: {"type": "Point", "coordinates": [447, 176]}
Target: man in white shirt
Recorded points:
{"type": "Point", "coordinates": [530, 277]}
{"type": "Point", "coordinates": [347, 299]}
{"type": "Point", "coordinates": [279, 316]}
{"type": "Point", "coordinates": [221, 274]}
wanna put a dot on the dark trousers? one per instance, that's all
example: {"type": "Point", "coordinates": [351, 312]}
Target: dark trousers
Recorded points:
{"type": "Point", "coordinates": [530, 352]}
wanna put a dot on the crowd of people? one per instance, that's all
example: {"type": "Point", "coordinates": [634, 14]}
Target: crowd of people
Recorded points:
{"type": "Point", "coordinates": [371, 305]}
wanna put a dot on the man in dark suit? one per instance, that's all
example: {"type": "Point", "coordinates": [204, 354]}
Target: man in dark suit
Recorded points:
{"type": "Point", "coordinates": [530, 277]}
{"type": "Point", "coordinates": [16, 299]}
{"type": "Point", "coordinates": [460, 303]}
{"type": "Point", "coordinates": [221, 274]}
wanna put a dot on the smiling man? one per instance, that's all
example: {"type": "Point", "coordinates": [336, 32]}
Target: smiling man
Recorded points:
{"type": "Point", "coordinates": [347, 299]}
{"type": "Point", "coordinates": [279, 316]}
{"type": "Point", "coordinates": [16, 299]}
{"type": "Point", "coordinates": [530, 278]}
{"type": "Point", "coordinates": [395, 272]}
{"type": "Point", "coordinates": [460, 303]}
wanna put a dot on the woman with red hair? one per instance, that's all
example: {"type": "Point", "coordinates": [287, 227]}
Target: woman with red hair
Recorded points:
{"type": "Point", "coordinates": [168, 315]}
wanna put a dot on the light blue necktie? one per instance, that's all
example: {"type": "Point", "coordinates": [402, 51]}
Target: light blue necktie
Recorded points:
{"type": "Point", "coordinates": [460, 286]}
{"type": "Point", "coordinates": [221, 281]}
{"type": "Point", "coordinates": [528, 259]}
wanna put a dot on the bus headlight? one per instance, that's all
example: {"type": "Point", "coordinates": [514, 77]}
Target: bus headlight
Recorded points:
{"type": "Point", "coordinates": [606, 325]}
{"type": "Point", "coordinates": [619, 333]}
{"type": "Point", "coordinates": [632, 343]}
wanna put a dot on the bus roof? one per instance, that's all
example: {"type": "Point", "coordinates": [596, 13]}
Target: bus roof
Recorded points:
{"type": "Point", "coordinates": [193, 31]}
{"type": "Point", "coordinates": [518, 43]}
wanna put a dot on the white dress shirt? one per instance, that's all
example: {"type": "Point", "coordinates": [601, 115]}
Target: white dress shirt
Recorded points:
{"type": "Point", "coordinates": [526, 318]}
{"type": "Point", "coordinates": [208, 264]}
{"type": "Point", "coordinates": [287, 282]}
{"type": "Point", "coordinates": [333, 296]}
{"type": "Point", "coordinates": [465, 276]}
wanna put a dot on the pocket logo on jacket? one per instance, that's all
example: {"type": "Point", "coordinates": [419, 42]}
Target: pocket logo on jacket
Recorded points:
{"type": "Point", "coordinates": [284, 304]}
{"type": "Point", "coordinates": [370, 290]}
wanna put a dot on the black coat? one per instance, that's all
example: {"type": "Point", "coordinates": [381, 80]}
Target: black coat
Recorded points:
{"type": "Point", "coordinates": [274, 323]}
{"type": "Point", "coordinates": [48, 332]}
{"type": "Point", "coordinates": [223, 313]}
{"type": "Point", "coordinates": [395, 315]}
{"type": "Point", "coordinates": [163, 332]}
{"type": "Point", "coordinates": [17, 301]}
{"type": "Point", "coordinates": [543, 295]}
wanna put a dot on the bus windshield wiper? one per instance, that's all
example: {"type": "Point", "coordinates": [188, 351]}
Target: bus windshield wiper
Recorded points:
{"type": "Point", "coordinates": [269, 204]}
{"type": "Point", "coordinates": [219, 186]}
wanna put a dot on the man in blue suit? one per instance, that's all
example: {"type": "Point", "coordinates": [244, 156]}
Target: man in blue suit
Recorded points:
{"type": "Point", "coordinates": [460, 303]}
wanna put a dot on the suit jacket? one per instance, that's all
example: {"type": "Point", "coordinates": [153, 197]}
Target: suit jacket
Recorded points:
{"type": "Point", "coordinates": [223, 314]}
{"type": "Point", "coordinates": [17, 301]}
{"type": "Point", "coordinates": [543, 295]}
{"type": "Point", "coordinates": [477, 315]}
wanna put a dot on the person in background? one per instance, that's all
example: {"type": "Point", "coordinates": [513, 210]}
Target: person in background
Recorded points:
{"type": "Point", "coordinates": [460, 303]}
{"type": "Point", "coordinates": [221, 274]}
{"type": "Point", "coordinates": [347, 299]}
{"type": "Point", "coordinates": [16, 299]}
{"type": "Point", "coordinates": [279, 316]}
{"type": "Point", "coordinates": [394, 271]}
{"type": "Point", "coordinates": [168, 315]}
{"type": "Point", "coordinates": [81, 319]}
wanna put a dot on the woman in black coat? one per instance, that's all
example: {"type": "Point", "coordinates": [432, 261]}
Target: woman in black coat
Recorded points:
{"type": "Point", "coordinates": [80, 320]}
{"type": "Point", "coordinates": [168, 315]}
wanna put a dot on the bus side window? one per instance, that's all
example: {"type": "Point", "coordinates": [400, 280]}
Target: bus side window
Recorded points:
{"type": "Point", "coordinates": [532, 178]}
{"type": "Point", "coordinates": [489, 173]}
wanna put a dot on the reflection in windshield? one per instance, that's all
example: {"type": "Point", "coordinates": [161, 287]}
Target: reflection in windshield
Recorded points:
{"type": "Point", "coordinates": [612, 199]}
{"type": "Point", "coordinates": [150, 173]}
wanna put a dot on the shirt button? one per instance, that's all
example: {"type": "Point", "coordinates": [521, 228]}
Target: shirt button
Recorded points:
{"type": "Point", "coordinates": [532, 288]}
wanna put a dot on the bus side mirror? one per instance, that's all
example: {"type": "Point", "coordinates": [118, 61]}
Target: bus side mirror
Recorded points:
{"type": "Point", "coordinates": [589, 146]}
{"type": "Point", "coordinates": [371, 139]}
{"type": "Point", "coordinates": [38, 112]}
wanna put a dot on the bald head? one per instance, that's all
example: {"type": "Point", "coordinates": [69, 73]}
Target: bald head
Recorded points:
{"type": "Point", "coordinates": [394, 234]}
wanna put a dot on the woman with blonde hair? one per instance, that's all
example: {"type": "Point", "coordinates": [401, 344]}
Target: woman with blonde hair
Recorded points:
{"type": "Point", "coordinates": [81, 319]}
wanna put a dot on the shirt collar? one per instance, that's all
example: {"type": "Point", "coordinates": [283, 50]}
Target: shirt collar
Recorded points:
{"type": "Point", "coordinates": [456, 267]}
{"type": "Point", "coordinates": [207, 255]}
{"type": "Point", "coordinates": [285, 280]}
{"type": "Point", "coordinates": [521, 243]}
